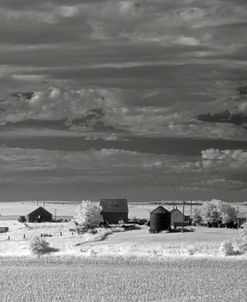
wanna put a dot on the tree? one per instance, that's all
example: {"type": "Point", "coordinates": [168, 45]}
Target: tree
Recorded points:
{"type": "Point", "coordinates": [227, 212]}
{"type": "Point", "coordinates": [216, 210]}
{"type": "Point", "coordinates": [210, 210]}
{"type": "Point", "coordinates": [197, 218]}
{"type": "Point", "coordinates": [88, 214]}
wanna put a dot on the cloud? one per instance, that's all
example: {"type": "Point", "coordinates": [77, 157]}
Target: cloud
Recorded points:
{"type": "Point", "coordinates": [109, 114]}
{"type": "Point", "coordinates": [224, 155]}
{"type": "Point", "coordinates": [56, 103]}
{"type": "Point", "coordinates": [117, 171]}
{"type": "Point", "coordinates": [99, 165]}
{"type": "Point", "coordinates": [226, 116]}
{"type": "Point", "coordinates": [227, 161]}
{"type": "Point", "coordinates": [175, 53]}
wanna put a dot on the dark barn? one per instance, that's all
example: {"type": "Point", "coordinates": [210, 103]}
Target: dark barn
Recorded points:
{"type": "Point", "coordinates": [39, 215]}
{"type": "Point", "coordinates": [160, 219]}
{"type": "Point", "coordinates": [114, 210]}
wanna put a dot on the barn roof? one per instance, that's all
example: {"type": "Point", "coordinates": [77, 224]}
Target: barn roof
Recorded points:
{"type": "Point", "coordinates": [117, 205]}
{"type": "Point", "coordinates": [160, 210]}
{"type": "Point", "coordinates": [176, 210]}
{"type": "Point", "coordinates": [38, 211]}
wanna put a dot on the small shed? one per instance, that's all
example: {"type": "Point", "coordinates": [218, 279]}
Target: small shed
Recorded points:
{"type": "Point", "coordinates": [39, 215]}
{"type": "Point", "coordinates": [177, 218]}
{"type": "Point", "coordinates": [241, 219]}
{"type": "Point", "coordinates": [160, 219]}
{"type": "Point", "coordinates": [4, 229]}
{"type": "Point", "coordinates": [114, 210]}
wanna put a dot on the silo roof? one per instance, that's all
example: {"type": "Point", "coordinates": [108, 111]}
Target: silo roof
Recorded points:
{"type": "Point", "coordinates": [160, 210]}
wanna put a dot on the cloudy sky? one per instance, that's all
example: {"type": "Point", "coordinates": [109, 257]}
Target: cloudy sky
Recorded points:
{"type": "Point", "coordinates": [139, 99]}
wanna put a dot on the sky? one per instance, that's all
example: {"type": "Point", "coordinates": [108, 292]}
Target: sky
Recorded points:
{"type": "Point", "coordinates": [137, 99]}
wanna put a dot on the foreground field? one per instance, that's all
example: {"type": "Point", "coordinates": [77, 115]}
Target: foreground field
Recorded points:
{"type": "Point", "coordinates": [196, 242]}
{"type": "Point", "coordinates": [47, 279]}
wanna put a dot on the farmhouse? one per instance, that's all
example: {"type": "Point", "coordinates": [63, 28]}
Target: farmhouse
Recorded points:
{"type": "Point", "coordinates": [114, 210]}
{"type": "Point", "coordinates": [39, 215]}
{"type": "Point", "coordinates": [160, 219]}
{"type": "Point", "coordinates": [177, 218]}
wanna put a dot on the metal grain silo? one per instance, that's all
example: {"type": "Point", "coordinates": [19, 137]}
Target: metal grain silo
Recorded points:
{"type": "Point", "coordinates": [160, 219]}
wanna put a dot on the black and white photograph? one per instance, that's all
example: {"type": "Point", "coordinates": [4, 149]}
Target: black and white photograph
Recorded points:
{"type": "Point", "coordinates": [123, 150]}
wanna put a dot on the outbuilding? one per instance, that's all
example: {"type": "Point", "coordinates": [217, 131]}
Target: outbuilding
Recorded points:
{"type": "Point", "coordinates": [39, 215]}
{"type": "Point", "coordinates": [114, 210]}
{"type": "Point", "coordinates": [4, 229]}
{"type": "Point", "coordinates": [160, 219]}
{"type": "Point", "coordinates": [177, 218]}
{"type": "Point", "coordinates": [241, 219]}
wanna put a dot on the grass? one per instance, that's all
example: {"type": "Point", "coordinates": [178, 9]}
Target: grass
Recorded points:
{"type": "Point", "coordinates": [73, 279]}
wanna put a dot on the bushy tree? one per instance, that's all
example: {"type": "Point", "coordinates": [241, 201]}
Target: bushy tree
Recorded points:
{"type": "Point", "coordinates": [216, 210]}
{"type": "Point", "coordinates": [197, 218]}
{"type": "Point", "coordinates": [227, 212]}
{"type": "Point", "coordinates": [210, 210]}
{"type": "Point", "coordinates": [88, 214]}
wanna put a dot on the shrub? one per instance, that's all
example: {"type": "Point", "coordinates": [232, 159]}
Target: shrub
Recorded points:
{"type": "Point", "coordinates": [22, 219]}
{"type": "Point", "coordinates": [40, 246]}
{"type": "Point", "coordinates": [243, 236]}
{"type": "Point", "coordinates": [243, 232]}
{"type": "Point", "coordinates": [227, 248]}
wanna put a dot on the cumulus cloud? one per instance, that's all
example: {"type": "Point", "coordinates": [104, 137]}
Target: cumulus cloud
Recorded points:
{"type": "Point", "coordinates": [111, 47]}
{"type": "Point", "coordinates": [227, 162]}
{"type": "Point", "coordinates": [56, 103]}
{"type": "Point", "coordinates": [225, 155]}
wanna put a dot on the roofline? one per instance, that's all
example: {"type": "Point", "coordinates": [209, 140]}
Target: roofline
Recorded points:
{"type": "Point", "coordinates": [37, 209]}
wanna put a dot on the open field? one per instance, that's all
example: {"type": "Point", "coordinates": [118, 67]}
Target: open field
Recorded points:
{"type": "Point", "coordinates": [122, 281]}
{"type": "Point", "coordinates": [10, 210]}
{"type": "Point", "coordinates": [196, 241]}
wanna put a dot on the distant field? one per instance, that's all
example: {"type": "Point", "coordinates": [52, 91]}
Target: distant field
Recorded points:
{"type": "Point", "coordinates": [97, 280]}
{"type": "Point", "coordinates": [12, 210]}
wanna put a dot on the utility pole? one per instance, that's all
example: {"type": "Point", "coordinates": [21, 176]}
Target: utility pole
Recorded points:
{"type": "Point", "coordinates": [183, 216]}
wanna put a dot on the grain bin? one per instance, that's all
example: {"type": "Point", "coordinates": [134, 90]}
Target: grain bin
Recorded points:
{"type": "Point", "coordinates": [160, 219]}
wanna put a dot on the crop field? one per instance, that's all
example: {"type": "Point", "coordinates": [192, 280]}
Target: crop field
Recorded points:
{"type": "Point", "coordinates": [120, 280]}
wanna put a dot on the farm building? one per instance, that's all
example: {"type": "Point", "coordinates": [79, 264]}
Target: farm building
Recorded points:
{"type": "Point", "coordinates": [241, 219]}
{"type": "Point", "coordinates": [114, 210]}
{"type": "Point", "coordinates": [160, 219]}
{"type": "Point", "coordinates": [4, 229]}
{"type": "Point", "coordinates": [177, 218]}
{"type": "Point", "coordinates": [39, 215]}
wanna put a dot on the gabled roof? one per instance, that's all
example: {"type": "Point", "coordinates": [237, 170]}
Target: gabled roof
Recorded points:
{"type": "Point", "coordinates": [116, 205]}
{"type": "Point", "coordinates": [38, 211]}
{"type": "Point", "coordinates": [160, 210]}
{"type": "Point", "coordinates": [176, 210]}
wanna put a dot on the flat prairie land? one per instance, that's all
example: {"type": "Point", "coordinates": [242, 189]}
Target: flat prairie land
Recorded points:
{"type": "Point", "coordinates": [48, 279]}
{"type": "Point", "coordinates": [196, 241]}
